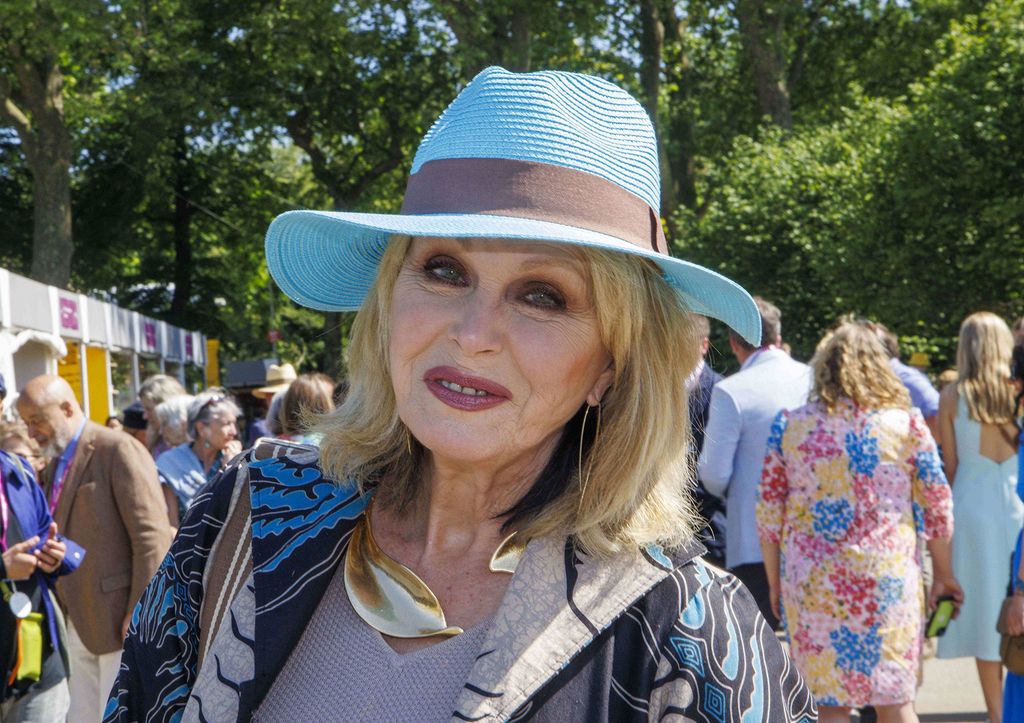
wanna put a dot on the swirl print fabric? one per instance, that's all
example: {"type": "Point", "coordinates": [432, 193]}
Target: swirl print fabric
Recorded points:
{"type": "Point", "coordinates": [647, 635]}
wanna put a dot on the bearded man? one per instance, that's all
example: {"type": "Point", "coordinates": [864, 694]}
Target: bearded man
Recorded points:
{"type": "Point", "coordinates": [102, 489]}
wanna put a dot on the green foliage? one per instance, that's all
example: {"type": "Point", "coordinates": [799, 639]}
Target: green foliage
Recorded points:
{"type": "Point", "coordinates": [16, 205]}
{"type": "Point", "coordinates": [897, 195]}
{"type": "Point", "coordinates": [908, 211]}
{"type": "Point", "coordinates": [783, 215]}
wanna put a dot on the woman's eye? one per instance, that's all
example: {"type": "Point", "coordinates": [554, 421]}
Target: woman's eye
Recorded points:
{"type": "Point", "coordinates": [446, 270]}
{"type": "Point", "coordinates": [544, 296]}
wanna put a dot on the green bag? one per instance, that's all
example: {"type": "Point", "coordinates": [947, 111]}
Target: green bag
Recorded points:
{"type": "Point", "coordinates": [30, 648]}
{"type": "Point", "coordinates": [29, 660]}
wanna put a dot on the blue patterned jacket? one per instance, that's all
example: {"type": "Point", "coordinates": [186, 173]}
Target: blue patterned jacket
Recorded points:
{"type": "Point", "coordinates": [636, 638]}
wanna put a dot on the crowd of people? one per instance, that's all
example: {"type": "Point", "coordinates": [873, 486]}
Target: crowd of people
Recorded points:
{"type": "Point", "coordinates": [502, 486]}
{"type": "Point", "coordinates": [104, 502]}
{"type": "Point", "coordinates": [850, 482]}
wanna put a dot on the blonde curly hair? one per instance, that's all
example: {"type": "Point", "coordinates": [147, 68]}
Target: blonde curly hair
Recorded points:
{"type": "Point", "coordinates": [851, 363]}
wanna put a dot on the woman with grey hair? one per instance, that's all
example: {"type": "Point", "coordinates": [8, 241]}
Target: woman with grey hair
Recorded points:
{"type": "Point", "coordinates": [171, 418]}
{"type": "Point", "coordinates": [154, 391]}
{"type": "Point", "coordinates": [211, 440]}
{"type": "Point", "coordinates": [172, 415]}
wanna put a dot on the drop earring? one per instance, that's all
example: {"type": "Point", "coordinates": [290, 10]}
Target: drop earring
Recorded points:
{"type": "Point", "coordinates": [584, 479]}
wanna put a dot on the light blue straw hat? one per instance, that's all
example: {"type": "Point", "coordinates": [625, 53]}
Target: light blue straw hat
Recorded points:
{"type": "Point", "coordinates": [551, 156]}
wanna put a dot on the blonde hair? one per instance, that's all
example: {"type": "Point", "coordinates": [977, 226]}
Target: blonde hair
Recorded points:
{"type": "Point", "coordinates": [172, 414]}
{"type": "Point", "coordinates": [851, 363]}
{"type": "Point", "coordinates": [159, 388]}
{"type": "Point", "coordinates": [309, 396]}
{"type": "Point", "coordinates": [19, 432]}
{"type": "Point", "coordinates": [636, 474]}
{"type": "Point", "coordinates": [983, 356]}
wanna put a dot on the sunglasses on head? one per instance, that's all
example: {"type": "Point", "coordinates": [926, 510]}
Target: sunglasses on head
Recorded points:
{"type": "Point", "coordinates": [211, 402]}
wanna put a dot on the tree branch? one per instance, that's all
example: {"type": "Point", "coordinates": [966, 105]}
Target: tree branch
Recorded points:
{"type": "Point", "coordinates": [11, 110]}
{"type": "Point", "coordinates": [390, 162]}
{"type": "Point", "coordinates": [796, 67]}
{"type": "Point", "coordinates": [22, 125]}
{"type": "Point", "coordinates": [297, 126]}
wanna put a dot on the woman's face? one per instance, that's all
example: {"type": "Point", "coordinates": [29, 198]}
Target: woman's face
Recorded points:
{"type": "Point", "coordinates": [174, 434]}
{"type": "Point", "coordinates": [494, 347]}
{"type": "Point", "coordinates": [14, 445]}
{"type": "Point", "coordinates": [218, 429]}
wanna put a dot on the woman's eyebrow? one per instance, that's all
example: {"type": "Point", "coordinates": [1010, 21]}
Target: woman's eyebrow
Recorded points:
{"type": "Point", "coordinates": [567, 262]}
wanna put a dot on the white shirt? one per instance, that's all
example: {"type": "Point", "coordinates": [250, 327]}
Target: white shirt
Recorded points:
{"type": "Point", "coordinates": [740, 417]}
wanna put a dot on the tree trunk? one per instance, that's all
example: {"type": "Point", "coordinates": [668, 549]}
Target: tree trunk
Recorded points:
{"type": "Point", "coordinates": [36, 110]}
{"type": "Point", "coordinates": [678, 69]}
{"type": "Point", "coordinates": [519, 55]}
{"type": "Point", "coordinates": [761, 29]}
{"type": "Point", "coordinates": [52, 245]}
{"type": "Point", "coordinates": [652, 45]}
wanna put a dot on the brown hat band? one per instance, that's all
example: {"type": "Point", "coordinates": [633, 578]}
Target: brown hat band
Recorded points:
{"type": "Point", "coordinates": [538, 191]}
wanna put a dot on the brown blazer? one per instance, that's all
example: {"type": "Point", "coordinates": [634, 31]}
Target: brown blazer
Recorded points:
{"type": "Point", "coordinates": [112, 506]}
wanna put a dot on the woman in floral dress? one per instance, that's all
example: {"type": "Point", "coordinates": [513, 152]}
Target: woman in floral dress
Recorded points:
{"type": "Point", "coordinates": [850, 481]}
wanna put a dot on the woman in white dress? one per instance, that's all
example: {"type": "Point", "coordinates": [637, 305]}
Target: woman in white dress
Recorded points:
{"type": "Point", "coordinates": [977, 433]}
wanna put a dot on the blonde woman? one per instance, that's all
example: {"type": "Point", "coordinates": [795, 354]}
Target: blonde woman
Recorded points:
{"type": "Point", "coordinates": [978, 435]}
{"type": "Point", "coordinates": [496, 524]}
{"type": "Point", "coordinates": [154, 391]}
{"type": "Point", "coordinates": [845, 479]}
{"type": "Point", "coordinates": [14, 438]}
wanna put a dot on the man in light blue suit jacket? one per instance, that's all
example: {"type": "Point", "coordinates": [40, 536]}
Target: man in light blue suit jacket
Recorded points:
{"type": "Point", "coordinates": [743, 407]}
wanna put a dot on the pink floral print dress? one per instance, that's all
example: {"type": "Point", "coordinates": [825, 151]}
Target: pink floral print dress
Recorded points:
{"type": "Point", "coordinates": [846, 496]}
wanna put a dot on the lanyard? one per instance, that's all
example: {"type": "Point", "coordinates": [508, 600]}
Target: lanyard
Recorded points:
{"type": "Point", "coordinates": [58, 484]}
{"type": "Point", "coordinates": [4, 511]}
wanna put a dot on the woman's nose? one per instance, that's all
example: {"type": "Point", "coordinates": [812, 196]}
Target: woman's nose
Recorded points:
{"type": "Point", "coordinates": [477, 328]}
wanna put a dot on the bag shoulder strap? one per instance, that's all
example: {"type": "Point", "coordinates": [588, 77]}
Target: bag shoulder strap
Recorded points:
{"type": "Point", "coordinates": [230, 561]}
{"type": "Point", "coordinates": [227, 567]}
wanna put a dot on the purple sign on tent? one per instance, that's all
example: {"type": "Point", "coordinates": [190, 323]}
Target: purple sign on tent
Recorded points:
{"type": "Point", "coordinates": [189, 355]}
{"type": "Point", "coordinates": [69, 314]}
{"type": "Point", "coordinates": [149, 332]}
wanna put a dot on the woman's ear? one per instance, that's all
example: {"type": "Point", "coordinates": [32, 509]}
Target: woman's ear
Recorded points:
{"type": "Point", "coordinates": [604, 381]}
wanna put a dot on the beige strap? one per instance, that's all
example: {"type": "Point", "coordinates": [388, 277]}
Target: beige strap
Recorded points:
{"type": "Point", "coordinates": [228, 567]}
{"type": "Point", "coordinates": [230, 561]}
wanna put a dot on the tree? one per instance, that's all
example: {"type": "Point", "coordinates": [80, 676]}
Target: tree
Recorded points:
{"type": "Point", "coordinates": [954, 209]}
{"type": "Point", "coordinates": [32, 100]}
{"type": "Point", "coordinates": [908, 211]}
{"type": "Point", "coordinates": [46, 49]}
{"type": "Point", "coordinates": [762, 29]}
{"type": "Point", "coordinates": [522, 35]}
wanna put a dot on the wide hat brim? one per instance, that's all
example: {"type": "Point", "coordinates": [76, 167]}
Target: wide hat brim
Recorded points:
{"type": "Point", "coordinates": [272, 389]}
{"type": "Point", "coordinates": [328, 260]}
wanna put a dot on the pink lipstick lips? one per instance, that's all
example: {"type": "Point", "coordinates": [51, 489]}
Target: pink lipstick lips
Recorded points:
{"type": "Point", "coordinates": [464, 392]}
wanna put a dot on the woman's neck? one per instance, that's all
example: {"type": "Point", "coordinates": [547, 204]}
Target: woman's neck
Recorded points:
{"type": "Point", "coordinates": [205, 454]}
{"type": "Point", "coordinates": [460, 508]}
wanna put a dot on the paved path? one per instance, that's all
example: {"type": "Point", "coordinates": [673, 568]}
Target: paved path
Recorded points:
{"type": "Point", "coordinates": [951, 692]}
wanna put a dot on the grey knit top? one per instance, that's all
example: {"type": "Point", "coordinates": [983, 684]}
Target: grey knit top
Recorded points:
{"type": "Point", "coordinates": [343, 670]}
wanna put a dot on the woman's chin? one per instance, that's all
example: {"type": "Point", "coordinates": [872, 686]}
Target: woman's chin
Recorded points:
{"type": "Point", "coordinates": [458, 450]}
